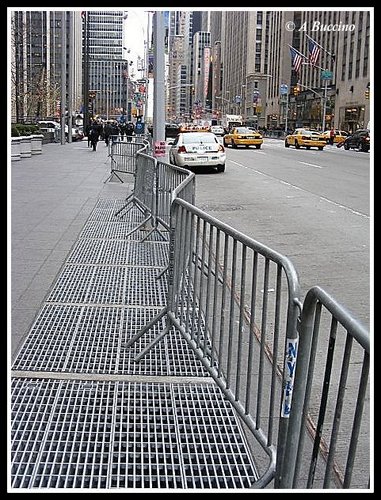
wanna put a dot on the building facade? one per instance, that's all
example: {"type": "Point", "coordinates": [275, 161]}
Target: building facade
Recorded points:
{"type": "Point", "coordinates": [36, 63]}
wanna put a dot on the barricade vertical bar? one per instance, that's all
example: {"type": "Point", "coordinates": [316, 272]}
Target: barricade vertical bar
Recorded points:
{"type": "Point", "coordinates": [338, 411]}
{"type": "Point", "coordinates": [231, 319]}
{"type": "Point", "coordinates": [263, 341]}
{"type": "Point", "coordinates": [190, 304]}
{"type": "Point", "coordinates": [275, 351]}
{"type": "Point", "coordinates": [214, 307]}
{"type": "Point", "coordinates": [223, 306]}
{"type": "Point", "coordinates": [208, 283]}
{"type": "Point", "coordinates": [357, 421]}
{"type": "Point", "coordinates": [323, 404]}
{"type": "Point", "coordinates": [240, 324]}
{"type": "Point", "coordinates": [250, 361]}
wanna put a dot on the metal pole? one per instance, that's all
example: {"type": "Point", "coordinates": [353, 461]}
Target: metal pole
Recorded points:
{"type": "Point", "coordinates": [146, 73]}
{"type": "Point", "coordinates": [286, 119]}
{"type": "Point", "coordinates": [63, 75]}
{"type": "Point", "coordinates": [70, 78]}
{"type": "Point", "coordinates": [86, 72]}
{"type": "Point", "coordinates": [159, 82]}
{"type": "Point", "coordinates": [324, 104]}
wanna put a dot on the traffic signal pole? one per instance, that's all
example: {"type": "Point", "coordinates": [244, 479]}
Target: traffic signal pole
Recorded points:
{"type": "Point", "coordinates": [159, 79]}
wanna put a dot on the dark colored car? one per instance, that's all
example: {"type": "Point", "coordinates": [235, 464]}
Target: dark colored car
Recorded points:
{"type": "Point", "coordinates": [358, 140]}
{"type": "Point", "coordinates": [171, 130]}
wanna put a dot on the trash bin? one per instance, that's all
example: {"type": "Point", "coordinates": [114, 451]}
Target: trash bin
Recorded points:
{"type": "Point", "coordinates": [15, 149]}
{"type": "Point", "coordinates": [36, 144]}
{"type": "Point", "coordinates": [25, 146]}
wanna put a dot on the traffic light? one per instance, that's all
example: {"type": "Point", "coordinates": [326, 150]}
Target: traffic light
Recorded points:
{"type": "Point", "coordinates": [296, 90]}
{"type": "Point", "coordinates": [367, 92]}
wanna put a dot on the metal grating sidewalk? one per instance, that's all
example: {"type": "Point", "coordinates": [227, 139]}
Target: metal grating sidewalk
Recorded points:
{"type": "Point", "coordinates": [84, 414]}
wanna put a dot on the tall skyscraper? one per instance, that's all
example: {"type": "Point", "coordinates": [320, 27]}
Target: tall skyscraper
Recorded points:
{"type": "Point", "coordinates": [108, 72]}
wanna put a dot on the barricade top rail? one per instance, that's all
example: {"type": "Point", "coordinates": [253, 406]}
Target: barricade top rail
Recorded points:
{"type": "Point", "coordinates": [354, 327]}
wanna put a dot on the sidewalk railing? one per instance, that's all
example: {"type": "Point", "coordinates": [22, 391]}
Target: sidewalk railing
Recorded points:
{"type": "Point", "coordinates": [122, 153]}
{"type": "Point", "coordinates": [236, 303]}
{"type": "Point", "coordinates": [330, 407]}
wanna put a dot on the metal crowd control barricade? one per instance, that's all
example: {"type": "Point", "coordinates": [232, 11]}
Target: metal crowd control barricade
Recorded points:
{"type": "Point", "coordinates": [154, 188]}
{"type": "Point", "coordinates": [329, 430]}
{"type": "Point", "coordinates": [122, 153]}
{"type": "Point", "coordinates": [236, 303]}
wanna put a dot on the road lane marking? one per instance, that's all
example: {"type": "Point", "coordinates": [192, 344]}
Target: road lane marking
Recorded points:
{"type": "Point", "coordinates": [310, 164]}
{"type": "Point", "coordinates": [348, 209]}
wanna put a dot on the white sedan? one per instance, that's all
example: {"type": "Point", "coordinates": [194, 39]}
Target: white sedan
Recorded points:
{"type": "Point", "coordinates": [197, 149]}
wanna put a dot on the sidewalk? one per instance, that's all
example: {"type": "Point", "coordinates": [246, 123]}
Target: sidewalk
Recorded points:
{"type": "Point", "coordinates": [84, 414]}
{"type": "Point", "coordinates": [52, 195]}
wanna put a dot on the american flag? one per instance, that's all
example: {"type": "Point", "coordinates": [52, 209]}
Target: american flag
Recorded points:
{"type": "Point", "coordinates": [314, 50]}
{"type": "Point", "coordinates": [296, 59]}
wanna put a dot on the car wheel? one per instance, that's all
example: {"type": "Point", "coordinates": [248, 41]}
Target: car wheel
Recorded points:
{"type": "Point", "coordinates": [320, 148]}
{"type": "Point", "coordinates": [234, 145]}
{"type": "Point", "coordinates": [258, 146]}
{"type": "Point", "coordinates": [224, 142]}
{"type": "Point", "coordinates": [363, 148]}
{"type": "Point", "coordinates": [297, 145]}
{"type": "Point", "coordinates": [286, 144]}
{"type": "Point", "coordinates": [309, 147]}
{"type": "Point", "coordinates": [221, 168]}
{"type": "Point", "coordinates": [346, 146]}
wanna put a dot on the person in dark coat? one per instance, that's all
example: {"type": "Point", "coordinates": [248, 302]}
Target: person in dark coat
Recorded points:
{"type": "Point", "coordinates": [129, 129]}
{"type": "Point", "coordinates": [95, 131]}
{"type": "Point", "coordinates": [107, 131]}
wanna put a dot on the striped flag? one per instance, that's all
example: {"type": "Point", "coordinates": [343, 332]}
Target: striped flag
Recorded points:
{"type": "Point", "coordinates": [314, 50]}
{"type": "Point", "coordinates": [296, 59]}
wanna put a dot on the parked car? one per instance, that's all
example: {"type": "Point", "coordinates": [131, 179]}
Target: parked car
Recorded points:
{"type": "Point", "coordinates": [51, 126]}
{"type": "Point", "coordinates": [358, 140]}
{"type": "Point", "coordinates": [243, 136]}
{"type": "Point", "coordinates": [171, 130]}
{"type": "Point", "coordinates": [340, 135]}
{"type": "Point", "coordinates": [217, 129]}
{"type": "Point", "coordinates": [305, 138]}
{"type": "Point", "coordinates": [197, 149]}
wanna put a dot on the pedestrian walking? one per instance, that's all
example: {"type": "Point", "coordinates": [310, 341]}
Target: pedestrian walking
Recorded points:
{"type": "Point", "coordinates": [95, 131]}
{"type": "Point", "coordinates": [129, 130]}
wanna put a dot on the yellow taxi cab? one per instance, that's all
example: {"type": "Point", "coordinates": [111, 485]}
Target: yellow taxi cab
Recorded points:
{"type": "Point", "coordinates": [243, 136]}
{"type": "Point", "coordinates": [340, 136]}
{"type": "Point", "coordinates": [302, 137]}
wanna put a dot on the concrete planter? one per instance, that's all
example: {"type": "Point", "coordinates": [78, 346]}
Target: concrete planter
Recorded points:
{"type": "Point", "coordinates": [25, 146]}
{"type": "Point", "coordinates": [15, 149]}
{"type": "Point", "coordinates": [36, 144]}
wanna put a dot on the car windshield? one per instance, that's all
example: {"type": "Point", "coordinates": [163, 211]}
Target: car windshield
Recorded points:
{"type": "Point", "coordinates": [309, 132]}
{"type": "Point", "coordinates": [243, 130]}
{"type": "Point", "coordinates": [199, 138]}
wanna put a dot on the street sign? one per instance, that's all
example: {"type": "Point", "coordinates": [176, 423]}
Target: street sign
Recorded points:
{"type": "Point", "coordinates": [283, 89]}
{"type": "Point", "coordinates": [159, 148]}
{"type": "Point", "coordinates": [139, 127]}
{"type": "Point", "coordinates": [326, 75]}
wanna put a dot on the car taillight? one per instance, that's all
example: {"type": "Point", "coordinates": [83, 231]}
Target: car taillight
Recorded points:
{"type": "Point", "coordinates": [182, 149]}
{"type": "Point", "coordinates": [221, 148]}
{"type": "Point", "coordinates": [367, 138]}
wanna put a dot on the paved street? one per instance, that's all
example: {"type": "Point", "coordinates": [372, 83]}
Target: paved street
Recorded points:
{"type": "Point", "coordinates": [312, 206]}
